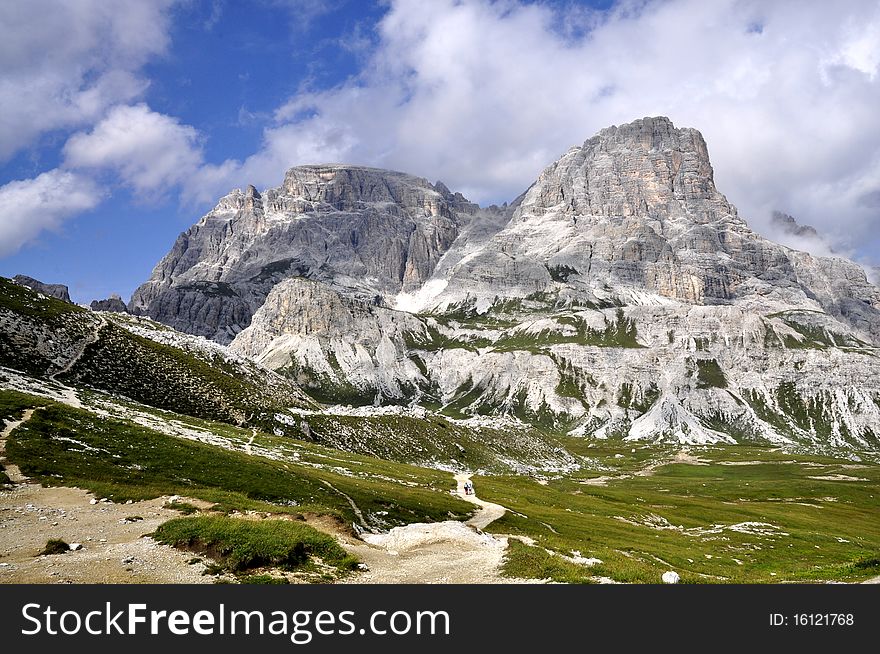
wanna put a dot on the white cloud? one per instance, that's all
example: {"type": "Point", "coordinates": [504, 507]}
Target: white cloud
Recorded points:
{"type": "Point", "coordinates": [62, 64]}
{"type": "Point", "coordinates": [33, 205]}
{"type": "Point", "coordinates": [149, 151]}
{"type": "Point", "coordinates": [484, 94]}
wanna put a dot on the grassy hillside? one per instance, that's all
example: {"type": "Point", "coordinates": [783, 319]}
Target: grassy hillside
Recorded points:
{"type": "Point", "coordinates": [174, 378]}
{"type": "Point", "coordinates": [435, 441]}
{"type": "Point", "coordinates": [718, 515]}
{"type": "Point", "coordinates": [120, 460]}
{"type": "Point", "coordinates": [46, 337]}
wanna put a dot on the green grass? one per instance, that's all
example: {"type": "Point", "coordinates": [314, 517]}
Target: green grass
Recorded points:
{"type": "Point", "coordinates": [434, 439]}
{"type": "Point", "coordinates": [620, 332]}
{"type": "Point", "coordinates": [239, 544]}
{"type": "Point", "coordinates": [641, 526]}
{"type": "Point", "coordinates": [710, 375]}
{"type": "Point", "coordinates": [121, 461]}
{"type": "Point", "coordinates": [13, 404]}
{"type": "Point", "coordinates": [172, 378]}
{"type": "Point", "coordinates": [38, 328]}
{"type": "Point", "coordinates": [523, 561]}
{"type": "Point", "coordinates": [184, 379]}
{"type": "Point", "coordinates": [184, 508]}
{"type": "Point", "coordinates": [28, 302]}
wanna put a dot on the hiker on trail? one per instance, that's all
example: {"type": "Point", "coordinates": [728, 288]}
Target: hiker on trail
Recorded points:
{"type": "Point", "coordinates": [468, 488]}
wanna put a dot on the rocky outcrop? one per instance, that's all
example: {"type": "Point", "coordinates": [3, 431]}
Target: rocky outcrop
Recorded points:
{"type": "Point", "coordinates": [634, 213]}
{"type": "Point", "coordinates": [58, 291]}
{"type": "Point", "coordinates": [788, 225]}
{"type": "Point", "coordinates": [338, 348]}
{"type": "Point", "coordinates": [113, 304]}
{"type": "Point", "coordinates": [621, 296]}
{"type": "Point", "coordinates": [368, 233]}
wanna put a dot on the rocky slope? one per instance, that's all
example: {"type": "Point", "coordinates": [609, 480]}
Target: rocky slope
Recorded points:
{"type": "Point", "coordinates": [138, 359]}
{"type": "Point", "coordinates": [364, 231]}
{"type": "Point", "coordinates": [58, 291]}
{"type": "Point", "coordinates": [620, 296]}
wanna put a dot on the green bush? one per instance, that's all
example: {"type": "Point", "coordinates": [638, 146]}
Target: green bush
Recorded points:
{"type": "Point", "coordinates": [238, 544]}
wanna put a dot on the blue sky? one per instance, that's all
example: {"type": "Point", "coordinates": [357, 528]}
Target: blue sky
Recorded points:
{"type": "Point", "coordinates": [227, 67]}
{"type": "Point", "coordinates": [124, 122]}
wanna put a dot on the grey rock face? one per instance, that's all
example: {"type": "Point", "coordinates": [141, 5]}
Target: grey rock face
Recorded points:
{"type": "Point", "coordinates": [789, 225]}
{"type": "Point", "coordinates": [58, 291]}
{"type": "Point", "coordinates": [336, 347]}
{"type": "Point", "coordinates": [113, 304]}
{"type": "Point", "coordinates": [364, 231]}
{"type": "Point", "coordinates": [635, 210]}
{"type": "Point", "coordinates": [620, 296]}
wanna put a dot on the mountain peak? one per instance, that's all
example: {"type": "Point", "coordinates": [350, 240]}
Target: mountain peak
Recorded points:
{"type": "Point", "coordinates": [647, 168]}
{"type": "Point", "coordinates": [654, 125]}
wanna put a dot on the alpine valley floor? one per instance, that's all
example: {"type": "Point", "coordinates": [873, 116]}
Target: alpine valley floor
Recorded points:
{"type": "Point", "coordinates": [714, 514]}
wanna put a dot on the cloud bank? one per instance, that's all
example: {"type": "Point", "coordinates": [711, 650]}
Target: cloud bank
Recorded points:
{"type": "Point", "coordinates": [62, 64]}
{"type": "Point", "coordinates": [150, 152]}
{"type": "Point", "coordinates": [43, 203]}
{"type": "Point", "coordinates": [484, 94]}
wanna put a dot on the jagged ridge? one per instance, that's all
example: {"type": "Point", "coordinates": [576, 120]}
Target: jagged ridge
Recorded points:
{"type": "Point", "coordinates": [620, 295]}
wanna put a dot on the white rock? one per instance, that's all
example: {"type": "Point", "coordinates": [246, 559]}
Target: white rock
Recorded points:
{"type": "Point", "coordinates": [670, 577]}
{"type": "Point", "coordinates": [93, 501]}
{"type": "Point", "coordinates": [75, 546]}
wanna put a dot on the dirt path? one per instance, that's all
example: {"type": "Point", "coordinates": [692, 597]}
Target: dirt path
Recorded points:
{"type": "Point", "coordinates": [113, 549]}
{"type": "Point", "coordinates": [354, 507]}
{"type": "Point", "coordinates": [488, 512]}
{"type": "Point", "coordinates": [12, 471]}
{"type": "Point", "coordinates": [682, 456]}
{"type": "Point", "coordinates": [448, 552]}
{"type": "Point", "coordinates": [90, 340]}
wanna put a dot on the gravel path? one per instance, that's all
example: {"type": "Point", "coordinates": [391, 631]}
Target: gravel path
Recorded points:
{"type": "Point", "coordinates": [448, 552]}
{"type": "Point", "coordinates": [113, 547]}
{"type": "Point", "coordinates": [12, 471]}
{"type": "Point", "coordinates": [488, 512]}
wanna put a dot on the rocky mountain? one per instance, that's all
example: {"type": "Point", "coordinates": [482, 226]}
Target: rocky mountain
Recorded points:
{"type": "Point", "coordinates": [620, 296]}
{"type": "Point", "coordinates": [114, 364]}
{"type": "Point", "coordinates": [789, 225]}
{"type": "Point", "coordinates": [366, 232]}
{"type": "Point", "coordinates": [58, 291]}
{"type": "Point", "coordinates": [112, 304]}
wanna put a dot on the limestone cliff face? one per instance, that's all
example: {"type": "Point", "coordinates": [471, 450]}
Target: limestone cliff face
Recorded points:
{"type": "Point", "coordinates": [336, 347]}
{"type": "Point", "coordinates": [364, 231]}
{"type": "Point", "coordinates": [58, 291]}
{"type": "Point", "coordinates": [635, 210]}
{"type": "Point", "coordinates": [620, 296]}
{"type": "Point", "coordinates": [113, 304]}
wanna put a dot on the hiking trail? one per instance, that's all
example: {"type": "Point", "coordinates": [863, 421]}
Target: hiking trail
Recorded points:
{"type": "Point", "coordinates": [449, 552]}
{"type": "Point", "coordinates": [12, 471]}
